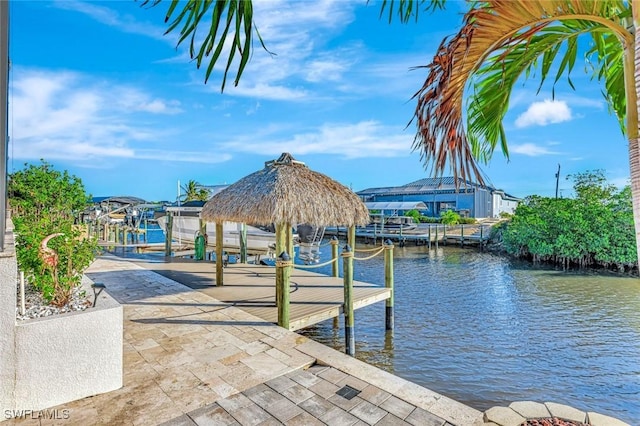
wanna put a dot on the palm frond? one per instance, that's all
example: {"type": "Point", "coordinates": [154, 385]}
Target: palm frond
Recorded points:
{"type": "Point", "coordinates": [406, 9]}
{"type": "Point", "coordinates": [231, 31]}
{"type": "Point", "coordinates": [493, 82]}
{"type": "Point", "coordinates": [511, 36]}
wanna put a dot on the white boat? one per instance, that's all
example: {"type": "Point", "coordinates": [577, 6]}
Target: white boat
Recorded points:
{"type": "Point", "coordinates": [186, 227]}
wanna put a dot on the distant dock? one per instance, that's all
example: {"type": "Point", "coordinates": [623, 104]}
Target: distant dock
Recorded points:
{"type": "Point", "coordinates": [423, 234]}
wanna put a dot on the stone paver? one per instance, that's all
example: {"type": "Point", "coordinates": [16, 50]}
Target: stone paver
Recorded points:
{"type": "Point", "coordinates": [566, 412]}
{"type": "Point", "coordinates": [520, 411]}
{"type": "Point", "coordinates": [190, 360]}
{"type": "Point", "coordinates": [530, 409]}
{"type": "Point", "coordinates": [503, 416]}
{"type": "Point", "coordinates": [596, 419]}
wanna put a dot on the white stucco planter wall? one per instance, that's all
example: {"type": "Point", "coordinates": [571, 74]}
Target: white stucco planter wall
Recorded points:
{"type": "Point", "coordinates": [66, 357]}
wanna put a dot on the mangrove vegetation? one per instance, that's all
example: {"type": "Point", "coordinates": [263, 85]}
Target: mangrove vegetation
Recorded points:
{"type": "Point", "coordinates": [593, 229]}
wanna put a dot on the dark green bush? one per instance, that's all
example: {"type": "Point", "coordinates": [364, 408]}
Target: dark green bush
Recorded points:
{"type": "Point", "coordinates": [593, 229]}
{"type": "Point", "coordinates": [46, 202]}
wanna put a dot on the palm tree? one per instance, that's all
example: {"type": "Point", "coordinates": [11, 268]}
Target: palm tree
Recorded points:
{"type": "Point", "coordinates": [192, 190]}
{"type": "Point", "coordinates": [500, 40]}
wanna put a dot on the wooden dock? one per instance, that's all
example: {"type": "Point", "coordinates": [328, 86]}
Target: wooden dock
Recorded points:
{"type": "Point", "coordinates": [423, 234]}
{"type": "Point", "coordinates": [314, 297]}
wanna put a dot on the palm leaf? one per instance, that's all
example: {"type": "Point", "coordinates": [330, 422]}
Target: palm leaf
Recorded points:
{"type": "Point", "coordinates": [493, 82]}
{"type": "Point", "coordinates": [406, 9]}
{"type": "Point", "coordinates": [231, 31]}
{"type": "Point", "coordinates": [511, 37]}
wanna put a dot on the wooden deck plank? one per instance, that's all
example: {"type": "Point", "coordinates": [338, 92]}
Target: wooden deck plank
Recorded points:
{"type": "Point", "coordinates": [314, 297]}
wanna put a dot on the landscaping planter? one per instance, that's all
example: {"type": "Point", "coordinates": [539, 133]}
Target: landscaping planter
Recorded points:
{"type": "Point", "coordinates": [62, 358]}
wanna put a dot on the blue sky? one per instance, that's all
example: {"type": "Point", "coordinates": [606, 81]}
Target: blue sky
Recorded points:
{"type": "Point", "coordinates": [96, 89]}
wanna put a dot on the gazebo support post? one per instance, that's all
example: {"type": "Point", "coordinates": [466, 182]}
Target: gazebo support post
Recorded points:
{"type": "Point", "coordinates": [202, 227]}
{"type": "Point", "coordinates": [167, 241]}
{"type": "Point", "coordinates": [219, 254]}
{"type": "Point", "coordinates": [334, 256]}
{"type": "Point", "coordinates": [289, 235]}
{"type": "Point", "coordinates": [281, 247]}
{"type": "Point", "coordinates": [347, 265]}
{"type": "Point", "coordinates": [283, 275]}
{"type": "Point", "coordinates": [388, 283]}
{"type": "Point", "coordinates": [351, 236]}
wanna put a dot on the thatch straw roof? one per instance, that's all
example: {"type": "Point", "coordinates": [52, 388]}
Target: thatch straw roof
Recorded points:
{"type": "Point", "coordinates": [287, 191]}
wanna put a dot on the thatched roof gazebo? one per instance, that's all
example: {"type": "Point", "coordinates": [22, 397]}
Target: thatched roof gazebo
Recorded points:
{"type": "Point", "coordinates": [284, 193]}
{"type": "Point", "coordinates": [287, 191]}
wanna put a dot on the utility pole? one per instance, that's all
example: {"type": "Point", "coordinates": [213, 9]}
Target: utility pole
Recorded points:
{"type": "Point", "coordinates": [557, 180]}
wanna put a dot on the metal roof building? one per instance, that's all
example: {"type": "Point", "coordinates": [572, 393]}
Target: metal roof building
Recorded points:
{"type": "Point", "coordinates": [441, 194]}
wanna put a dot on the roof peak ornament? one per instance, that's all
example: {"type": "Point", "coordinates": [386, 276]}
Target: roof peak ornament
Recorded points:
{"type": "Point", "coordinates": [285, 158]}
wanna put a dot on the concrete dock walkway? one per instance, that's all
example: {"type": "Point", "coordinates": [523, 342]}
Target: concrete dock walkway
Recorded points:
{"type": "Point", "coordinates": [190, 359]}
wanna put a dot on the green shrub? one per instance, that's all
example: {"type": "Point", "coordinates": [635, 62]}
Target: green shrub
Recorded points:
{"type": "Point", "coordinates": [594, 229]}
{"type": "Point", "coordinates": [415, 214]}
{"type": "Point", "coordinates": [46, 202]}
{"type": "Point", "coordinates": [467, 220]}
{"type": "Point", "coordinates": [427, 219]}
{"type": "Point", "coordinates": [450, 218]}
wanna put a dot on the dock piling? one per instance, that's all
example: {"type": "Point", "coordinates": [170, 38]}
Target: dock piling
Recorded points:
{"type": "Point", "coordinates": [243, 243]}
{"type": "Point", "coordinates": [334, 256]}
{"type": "Point", "coordinates": [388, 283]}
{"type": "Point", "coordinates": [219, 254]}
{"type": "Point", "coordinates": [349, 321]}
{"type": "Point", "coordinates": [167, 241]}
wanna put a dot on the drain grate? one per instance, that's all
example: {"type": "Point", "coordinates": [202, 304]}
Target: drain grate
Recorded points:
{"type": "Point", "coordinates": [348, 392]}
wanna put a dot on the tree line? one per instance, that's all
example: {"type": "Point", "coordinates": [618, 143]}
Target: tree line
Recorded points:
{"type": "Point", "coordinates": [593, 229]}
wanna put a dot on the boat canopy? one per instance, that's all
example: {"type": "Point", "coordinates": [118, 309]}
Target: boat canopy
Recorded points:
{"type": "Point", "coordinates": [396, 205]}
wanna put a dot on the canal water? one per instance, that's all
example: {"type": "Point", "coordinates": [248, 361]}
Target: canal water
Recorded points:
{"type": "Point", "coordinates": [487, 331]}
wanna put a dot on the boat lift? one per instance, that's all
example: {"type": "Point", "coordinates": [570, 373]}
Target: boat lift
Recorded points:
{"type": "Point", "coordinates": [309, 238]}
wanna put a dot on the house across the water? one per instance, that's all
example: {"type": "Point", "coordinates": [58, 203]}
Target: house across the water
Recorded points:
{"type": "Point", "coordinates": [440, 194]}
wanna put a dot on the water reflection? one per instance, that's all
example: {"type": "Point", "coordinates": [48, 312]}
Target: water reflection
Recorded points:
{"type": "Point", "coordinates": [486, 331]}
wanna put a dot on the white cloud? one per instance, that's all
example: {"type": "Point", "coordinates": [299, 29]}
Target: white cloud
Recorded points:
{"type": "Point", "coordinates": [359, 140]}
{"type": "Point", "coordinates": [544, 113]}
{"type": "Point", "coordinates": [182, 156]}
{"type": "Point", "coordinates": [68, 116]}
{"type": "Point", "coordinates": [131, 99]}
{"type": "Point", "coordinates": [531, 150]}
{"type": "Point", "coordinates": [126, 23]}
{"type": "Point", "coordinates": [266, 91]}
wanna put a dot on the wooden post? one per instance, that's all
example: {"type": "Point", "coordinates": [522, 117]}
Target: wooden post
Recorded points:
{"type": "Point", "coordinates": [169, 236]}
{"type": "Point", "coordinates": [281, 247]}
{"type": "Point", "coordinates": [289, 238]}
{"type": "Point", "coordinates": [334, 256]}
{"type": "Point", "coordinates": [444, 235]}
{"type": "Point", "coordinates": [202, 227]}
{"type": "Point", "coordinates": [347, 268]}
{"type": "Point", "coordinates": [437, 236]}
{"type": "Point", "coordinates": [243, 243]}
{"type": "Point", "coordinates": [461, 235]}
{"type": "Point", "coordinates": [351, 236]}
{"type": "Point", "coordinates": [283, 274]}
{"type": "Point", "coordinates": [429, 236]}
{"type": "Point", "coordinates": [388, 283]}
{"type": "Point", "coordinates": [481, 239]}
{"type": "Point", "coordinates": [219, 254]}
